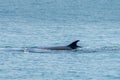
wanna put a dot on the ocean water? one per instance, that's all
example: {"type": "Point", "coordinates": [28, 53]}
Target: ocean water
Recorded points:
{"type": "Point", "coordinates": [26, 24]}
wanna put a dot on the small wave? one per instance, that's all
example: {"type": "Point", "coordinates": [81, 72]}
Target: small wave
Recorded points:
{"type": "Point", "coordinates": [99, 49]}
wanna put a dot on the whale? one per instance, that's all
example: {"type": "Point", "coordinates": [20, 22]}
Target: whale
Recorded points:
{"type": "Point", "coordinates": [71, 46]}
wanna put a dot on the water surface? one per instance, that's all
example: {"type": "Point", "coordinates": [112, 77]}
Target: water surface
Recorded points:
{"type": "Point", "coordinates": [26, 24]}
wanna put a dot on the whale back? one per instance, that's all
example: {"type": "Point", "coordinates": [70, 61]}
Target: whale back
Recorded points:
{"type": "Point", "coordinates": [71, 46]}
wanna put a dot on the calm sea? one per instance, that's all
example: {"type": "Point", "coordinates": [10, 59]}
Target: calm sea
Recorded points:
{"type": "Point", "coordinates": [39, 23]}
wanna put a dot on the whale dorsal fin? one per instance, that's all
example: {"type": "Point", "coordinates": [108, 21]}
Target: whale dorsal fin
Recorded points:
{"type": "Point", "coordinates": [73, 45]}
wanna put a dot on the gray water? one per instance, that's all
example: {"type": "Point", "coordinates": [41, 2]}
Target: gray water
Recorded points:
{"type": "Point", "coordinates": [26, 24]}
